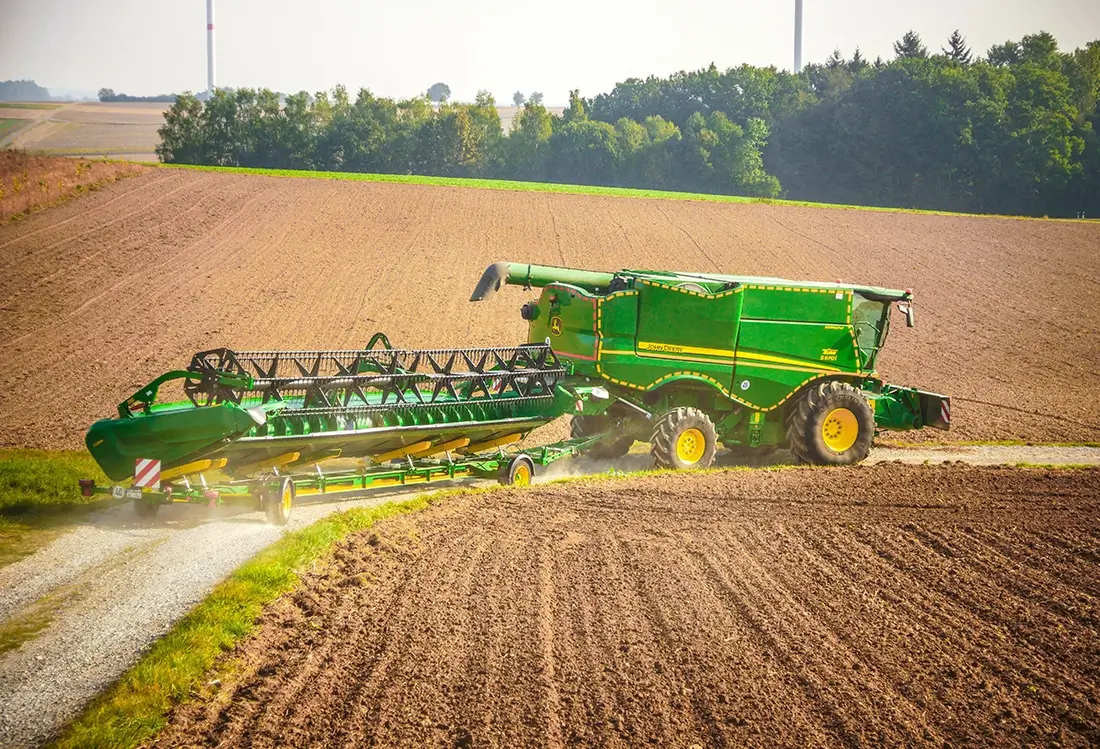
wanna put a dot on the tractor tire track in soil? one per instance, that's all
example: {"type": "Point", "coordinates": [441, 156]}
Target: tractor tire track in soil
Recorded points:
{"type": "Point", "coordinates": [885, 605]}
{"type": "Point", "coordinates": [102, 294]}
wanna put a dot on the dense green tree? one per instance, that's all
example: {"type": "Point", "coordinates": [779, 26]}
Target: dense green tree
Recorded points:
{"type": "Point", "coordinates": [182, 135]}
{"type": "Point", "coordinates": [858, 63]}
{"type": "Point", "coordinates": [526, 150]}
{"type": "Point", "coordinates": [583, 151]}
{"type": "Point", "coordinates": [910, 46]}
{"type": "Point", "coordinates": [1014, 133]}
{"type": "Point", "coordinates": [1004, 55]}
{"type": "Point", "coordinates": [957, 50]}
{"type": "Point", "coordinates": [536, 97]}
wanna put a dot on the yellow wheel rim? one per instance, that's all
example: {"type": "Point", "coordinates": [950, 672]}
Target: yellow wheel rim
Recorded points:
{"type": "Point", "coordinates": [288, 497]}
{"type": "Point", "coordinates": [522, 475]}
{"type": "Point", "coordinates": [690, 446]}
{"type": "Point", "coordinates": [840, 429]}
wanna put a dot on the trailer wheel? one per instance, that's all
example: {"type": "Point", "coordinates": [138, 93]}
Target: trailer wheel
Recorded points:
{"type": "Point", "coordinates": [615, 446]}
{"type": "Point", "coordinates": [519, 471]}
{"type": "Point", "coordinates": [280, 504]}
{"type": "Point", "coordinates": [684, 438]}
{"type": "Point", "coordinates": [143, 508]}
{"type": "Point", "coordinates": [831, 424]}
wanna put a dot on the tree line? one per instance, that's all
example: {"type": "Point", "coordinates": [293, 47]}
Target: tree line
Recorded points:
{"type": "Point", "coordinates": [23, 91]}
{"type": "Point", "coordinates": [1012, 132]}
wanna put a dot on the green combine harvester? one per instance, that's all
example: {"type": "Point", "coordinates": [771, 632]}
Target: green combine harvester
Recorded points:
{"type": "Point", "coordinates": [688, 362]}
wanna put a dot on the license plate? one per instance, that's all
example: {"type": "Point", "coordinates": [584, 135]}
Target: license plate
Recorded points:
{"type": "Point", "coordinates": [133, 493]}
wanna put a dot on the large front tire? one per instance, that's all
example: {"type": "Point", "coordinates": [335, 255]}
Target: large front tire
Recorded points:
{"type": "Point", "coordinates": [683, 438]}
{"type": "Point", "coordinates": [831, 424]}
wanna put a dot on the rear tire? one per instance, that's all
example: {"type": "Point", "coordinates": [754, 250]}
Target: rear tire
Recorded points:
{"type": "Point", "coordinates": [615, 446]}
{"type": "Point", "coordinates": [280, 504]}
{"type": "Point", "coordinates": [520, 471]}
{"type": "Point", "coordinates": [831, 424]}
{"type": "Point", "coordinates": [684, 438]}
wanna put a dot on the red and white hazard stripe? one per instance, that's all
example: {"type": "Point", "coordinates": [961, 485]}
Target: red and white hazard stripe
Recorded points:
{"type": "Point", "coordinates": [147, 473]}
{"type": "Point", "coordinates": [945, 411]}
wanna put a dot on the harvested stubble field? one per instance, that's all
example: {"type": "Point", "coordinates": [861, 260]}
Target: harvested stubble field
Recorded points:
{"type": "Point", "coordinates": [876, 606]}
{"type": "Point", "coordinates": [100, 295]}
{"type": "Point", "coordinates": [97, 128]}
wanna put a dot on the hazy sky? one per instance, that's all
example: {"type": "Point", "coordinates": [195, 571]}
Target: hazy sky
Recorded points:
{"type": "Point", "coordinates": [400, 48]}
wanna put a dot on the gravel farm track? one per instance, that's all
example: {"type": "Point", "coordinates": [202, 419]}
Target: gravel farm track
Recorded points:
{"type": "Point", "coordinates": [102, 294]}
{"type": "Point", "coordinates": [884, 605]}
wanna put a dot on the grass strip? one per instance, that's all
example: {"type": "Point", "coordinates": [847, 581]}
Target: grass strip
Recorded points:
{"type": "Point", "coordinates": [136, 707]}
{"type": "Point", "coordinates": [7, 125]}
{"type": "Point", "coordinates": [44, 479]}
{"type": "Point", "coordinates": [27, 105]}
{"type": "Point", "coordinates": [553, 187]}
{"type": "Point", "coordinates": [40, 498]}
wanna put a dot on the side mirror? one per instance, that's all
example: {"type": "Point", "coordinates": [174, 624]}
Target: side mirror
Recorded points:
{"type": "Point", "coordinates": [906, 308]}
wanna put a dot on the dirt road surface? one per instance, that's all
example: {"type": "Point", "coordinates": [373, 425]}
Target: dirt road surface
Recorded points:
{"type": "Point", "coordinates": [118, 582]}
{"type": "Point", "coordinates": [100, 296]}
{"type": "Point", "coordinates": [877, 606]}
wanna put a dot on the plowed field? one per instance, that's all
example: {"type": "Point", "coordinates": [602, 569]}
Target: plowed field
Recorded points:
{"type": "Point", "coordinates": [101, 295]}
{"type": "Point", "coordinates": [877, 606]}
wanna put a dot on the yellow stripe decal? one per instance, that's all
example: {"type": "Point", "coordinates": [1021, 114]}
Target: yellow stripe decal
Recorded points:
{"type": "Point", "coordinates": [780, 360]}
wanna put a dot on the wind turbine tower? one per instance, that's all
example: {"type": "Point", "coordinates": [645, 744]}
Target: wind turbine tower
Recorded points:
{"type": "Point", "coordinates": [210, 48]}
{"type": "Point", "coordinates": [797, 35]}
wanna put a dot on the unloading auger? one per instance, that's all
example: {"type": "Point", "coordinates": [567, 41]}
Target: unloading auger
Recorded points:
{"type": "Point", "coordinates": [684, 361]}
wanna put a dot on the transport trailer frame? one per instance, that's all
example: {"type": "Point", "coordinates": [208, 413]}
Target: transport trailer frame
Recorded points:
{"type": "Point", "coordinates": [276, 492]}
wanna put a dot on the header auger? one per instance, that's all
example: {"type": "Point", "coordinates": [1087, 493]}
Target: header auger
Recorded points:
{"type": "Point", "coordinates": [688, 362]}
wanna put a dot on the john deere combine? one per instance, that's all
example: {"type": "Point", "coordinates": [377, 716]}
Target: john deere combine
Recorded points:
{"type": "Point", "coordinates": [684, 361]}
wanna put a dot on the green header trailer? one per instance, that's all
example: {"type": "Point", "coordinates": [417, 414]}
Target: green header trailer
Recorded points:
{"type": "Point", "coordinates": [686, 362]}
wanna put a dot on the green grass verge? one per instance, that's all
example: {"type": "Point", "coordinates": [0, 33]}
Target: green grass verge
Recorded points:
{"type": "Point", "coordinates": [44, 479]}
{"type": "Point", "coordinates": [549, 187]}
{"type": "Point", "coordinates": [40, 498]}
{"type": "Point", "coordinates": [27, 105]}
{"type": "Point", "coordinates": [7, 125]}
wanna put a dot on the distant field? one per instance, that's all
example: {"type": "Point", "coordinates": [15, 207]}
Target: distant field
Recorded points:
{"type": "Point", "coordinates": [89, 290]}
{"type": "Point", "coordinates": [118, 130]}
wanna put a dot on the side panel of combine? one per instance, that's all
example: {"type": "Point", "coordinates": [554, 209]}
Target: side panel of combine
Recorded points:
{"type": "Point", "coordinates": [567, 319]}
{"type": "Point", "coordinates": [790, 336]}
